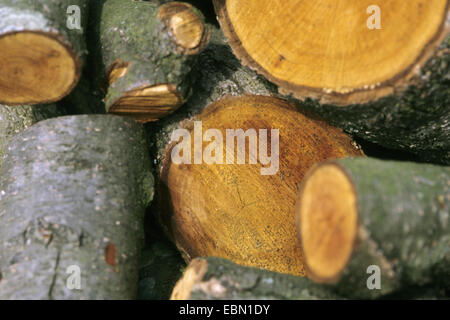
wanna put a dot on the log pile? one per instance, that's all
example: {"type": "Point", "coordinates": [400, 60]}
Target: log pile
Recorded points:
{"type": "Point", "coordinates": [389, 86]}
{"type": "Point", "coordinates": [148, 151]}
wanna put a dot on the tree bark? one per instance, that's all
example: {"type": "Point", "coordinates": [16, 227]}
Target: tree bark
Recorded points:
{"type": "Point", "coordinates": [388, 86]}
{"type": "Point", "coordinates": [73, 191]}
{"type": "Point", "coordinates": [251, 215]}
{"type": "Point", "coordinates": [15, 119]}
{"type": "Point", "coordinates": [219, 279]}
{"type": "Point", "coordinates": [46, 75]}
{"type": "Point", "coordinates": [220, 77]}
{"type": "Point", "coordinates": [356, 213]}
{"type": "Point", "coordinates": [219, 74]}
{"type": "Point", "coordinates": [148, 51]}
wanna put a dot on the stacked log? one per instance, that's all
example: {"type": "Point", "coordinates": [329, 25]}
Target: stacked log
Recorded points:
{"type": "Point", "coordinates": [219, 279]}
{"type": "Point", "coordinates": [147, 52]}
{"type": "Point", "coordinates": [388, 86]}
{"type": "Point", "coordinates": [73, 191]}
{"type": "Point", "coordinates": [249, 135]}
{"type": "Point", "coordinates": [360, 216]}
{"type": "Point", "coordinates": [40, 57]}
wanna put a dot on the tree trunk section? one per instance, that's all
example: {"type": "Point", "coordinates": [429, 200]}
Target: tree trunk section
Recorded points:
{"type": "Point", "coordinates": [148, 51]}
{"type": "Point", "coordinates": [219, 279]}
{"type": "Point", "coordinates": [389, 85]}
{"type": "Point", "coordinates": [46, 75]}
{"type": "Point", "coordinates": [73, 191]}
{"type": "Point", "coordinates": [219, 74]}
{"type": "Point", "coordinates": [356, 213]}
{"type": "Point", "coordinates": [226, 202]}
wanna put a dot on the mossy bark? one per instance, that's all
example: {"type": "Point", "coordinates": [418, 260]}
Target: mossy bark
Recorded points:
{"type": "Point", "coordinates": [404, 226]}
{"type": "Point", "coordinates": [132, 36]}
{"type": "Point", "coordinates": [416, 119]}
{"type": "Point", "coordinates": [15, 119]}
{"type": "Point", "coordinates": [73, 192]}
{"type": "Point", "coordinates": [219, 73]}
{"type": "Point", "coordinates": [217, 279]}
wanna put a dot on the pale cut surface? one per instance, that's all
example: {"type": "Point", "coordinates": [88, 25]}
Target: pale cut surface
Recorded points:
{"type": "Point", "coordinates": [327, 221]}
{"type": "Point", "coordinates": [35, 68]}
{"type": "Point", "coordinates": [324, 47]}
{"type": "Point", "coordinates": [231, 210]}
{"type": "Point", "coordinates": [187, 29]}
{"type": "Point", "coordinates": [191, 277]}
{"type": "Point", "coordinates": [149, 103]}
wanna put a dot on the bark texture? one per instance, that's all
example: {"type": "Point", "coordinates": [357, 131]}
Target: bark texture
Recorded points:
{"type": "Point", "coordinates": [417, 119]}
{"type": "Point", "coordinates": [408, 109]}
{"type": "Point", "coordinates": [73, 191]}
{"type": "Point", "coordinates": [403, 211]}
{"type": "Point", "coordinates": [48, 16]}
{"type": "Point", "coordinates": [219, 74]}
{"type": "Point", "coordinates": [15, 119]}
{"type": "Point", "coordinates": [139, 51]}
{"type": "Point", "coordinates": [219, 279]}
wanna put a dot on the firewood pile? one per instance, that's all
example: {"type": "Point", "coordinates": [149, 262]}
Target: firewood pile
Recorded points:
{"type": "Point", "coordinates": [224, 149]}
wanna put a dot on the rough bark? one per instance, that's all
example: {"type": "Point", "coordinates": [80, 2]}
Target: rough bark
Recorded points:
{"type": "Point", "coordinates": [417, 119]}
{"type": "Point", "coordinates": [147, 59]}
{"type": "Point", "coordinates": [408, 109]}
{"type": "Point", "coordinates": [239, 190]}
{"type": "Point", "coordinates": [15, 119]}
{"type": "Point", "coordinates": [73, 192]}
{"type": "Point", "coordinates": [25, 23]}
{"type": "Point", "coordinates": [219, 279]}
{"type": "Point", "coordinates": [403, 225]}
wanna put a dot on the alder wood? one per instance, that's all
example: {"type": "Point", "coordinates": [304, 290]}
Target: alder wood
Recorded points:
{"type": "Point", "coordinates": [352, 214]}
{"type": "Point", "coordinates": [388, 86]}
{"type": "Point", "coordinates": [324, 49]}
{"type": "Point", "coordinates": [148, 51]}
{"type": "Point", "coordinates": [231, 210]}
{"type": "Point", "coordinates": [40, 58]}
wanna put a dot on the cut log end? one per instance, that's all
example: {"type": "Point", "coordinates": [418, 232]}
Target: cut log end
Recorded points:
{"type": "Point", "coordinates": [367, 53]}
{"type": "Point", "coordinates": [149, 103]}
{"type": "Point", "coordinates": [185, 27]}
{"type": "Point", "coordinates": [327, 222]}
{"type": "Point", "coordinates": [36, 76]}
{"type": "Point", "coordinates": [192, 276]}
{"type": "Point", "coordinates": [235, 206]}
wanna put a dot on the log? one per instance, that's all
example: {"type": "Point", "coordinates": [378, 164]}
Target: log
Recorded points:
{"type": "Point", "coordinates": [73, 192]}
{"type": "Point", "coordinates": [355, 213]}
{"type": "Point", "coordinates": [219, 279]}
{"type": "Point", "coordinates": [148, 51]}
{"type": "Point", "coordinates": [219, 74]}
{"type": "Point", "coordinates": [15, 119]}
{"type": "Point", "coordinates": [41, 58]}
{"type": "Point", "coordinates": [388, 86]}
{"type": "Point", "coordinates": [239, 204]}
